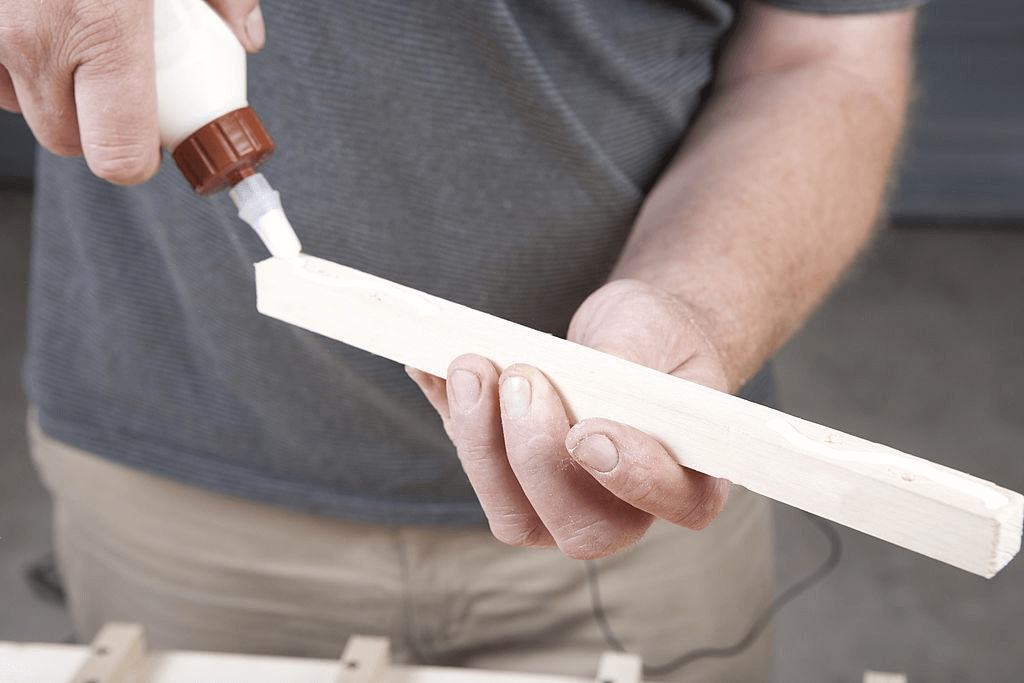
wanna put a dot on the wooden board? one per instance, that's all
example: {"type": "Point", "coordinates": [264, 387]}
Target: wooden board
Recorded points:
{"type": "Point", "coordinates": [50, 663]}
{"type": "Point", "coordinates": [919, 505]}
{"type": "Point", "coordinates": [883, 677]}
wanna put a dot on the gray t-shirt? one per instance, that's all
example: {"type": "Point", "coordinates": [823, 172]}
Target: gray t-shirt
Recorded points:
{"type": "Point", "coordinates": [492, 152]}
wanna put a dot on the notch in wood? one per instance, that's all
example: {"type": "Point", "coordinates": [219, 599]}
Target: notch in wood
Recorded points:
{"type": "Point", "coordinates": [115, 655]}
{"type": "Point", "coordinates": [364, 660]}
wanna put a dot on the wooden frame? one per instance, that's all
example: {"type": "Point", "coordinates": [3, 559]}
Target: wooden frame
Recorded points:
{"type": "Point", "coordinates": [117, 655]}
{"type": "Point", "coordinates": [919, 505]}
{"type": "Point", "coordinates": [883, 677]}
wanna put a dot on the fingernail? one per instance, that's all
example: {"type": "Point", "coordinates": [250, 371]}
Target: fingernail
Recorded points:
{"type": "Point", "coordinates": [597, 452]}
{"type": "Point", "coordinates": [465, 389]}
{"type": "Point", "coordinates": [255, 29]}
{"type": "Point", "coordinates": [515, 397]}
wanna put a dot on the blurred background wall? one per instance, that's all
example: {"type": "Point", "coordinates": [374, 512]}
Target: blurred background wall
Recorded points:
{"type": "Point", "coordinates": [966, 145]}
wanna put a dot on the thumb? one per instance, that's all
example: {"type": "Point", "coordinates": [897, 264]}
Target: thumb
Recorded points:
{"type": "Point", "coordinates": [640, 323]}
{"type": "Point", "coordinates": [245, 18]}
{"type": "Point", "coordinates": [631, 320]}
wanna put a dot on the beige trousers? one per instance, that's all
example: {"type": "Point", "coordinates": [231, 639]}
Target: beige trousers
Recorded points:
{"type": "Point", "coordinates": [205, 571]}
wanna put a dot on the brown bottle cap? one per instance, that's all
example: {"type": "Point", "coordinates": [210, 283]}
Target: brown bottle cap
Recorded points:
{"type": "Point", "coordinates": [224, 151]}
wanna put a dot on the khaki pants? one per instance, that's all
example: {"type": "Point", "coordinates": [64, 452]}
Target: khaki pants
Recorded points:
{"type": "Point", "coordinates": [204, 571]}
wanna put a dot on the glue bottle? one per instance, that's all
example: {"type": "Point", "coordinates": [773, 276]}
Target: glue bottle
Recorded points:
{"type": "Point", "coordinates": [215, 137]}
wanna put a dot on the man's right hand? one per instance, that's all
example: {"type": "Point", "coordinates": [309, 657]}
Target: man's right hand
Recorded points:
{"type": "Point", "coordinates": [81, 73]}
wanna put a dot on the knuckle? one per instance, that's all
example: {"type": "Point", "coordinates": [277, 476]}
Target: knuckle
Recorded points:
{"type": "Point", "coordinates": [53, 134]}
{"type": "Point", "coordinates": [96, 32]}
{"type": "Point", "coordinates": [61, 147]}
{"type": "Point", "coordinates": [537, 454]}
{"type": "Point", "coordinates": [473, 445]}
{"type": "Point", "coordinates": [636, 486]}
{"type": "Point", "coordinates": [121, 162]}
{"type": "Point", "coordinates": [40, 39]}
{"type": "Point", "coordinates": [55, 131]}
{"type": "Point", "coordinates": [704, 506]}
{"type": "Point", "coordinates": [522, 531]}
{"type": "Point", "coordinates": [24, 54]}
{"type": "Point", "coordinates": [14, 44]}
{"type": "Point", "coordinates": [590, 541]}
{"type": "Point", "coordinates": [21, 30]}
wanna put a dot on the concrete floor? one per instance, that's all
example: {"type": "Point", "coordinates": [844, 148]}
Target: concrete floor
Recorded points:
{"type": "Point", "coordinates": [922, 349]}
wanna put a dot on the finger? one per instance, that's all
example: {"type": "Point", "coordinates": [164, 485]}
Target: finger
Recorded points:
{"type": "Point", "coordinates": [8, 98]}
{"type": "Point", "coordinates": [704, 369]}
{"type": "Point", "coordinates": [115, 94]}
{"type": "Point", "coordinates": [640, 323]}
{"type": "Point", "coordinates": [584, 518]}
{"type": "Point", "coordinates": [631, 320]}
{"type": "Point", "coordinates": [476, 425]}
{"type": "Point", "coordinates": [245, 19]}
{"type": "Point", "coordinates": [48, 105]}
{"type": "Point", "coordinates": [433, 388]}
{"type": "Point", "coordinates": [436, 392]}
{"type": "Point", "coordinates": [638, 470]}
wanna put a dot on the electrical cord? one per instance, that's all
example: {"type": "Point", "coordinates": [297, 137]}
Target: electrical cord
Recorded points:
{"type": "Point", "coordinates": [45, 581]}
{"type": "Point", "coordinates": [759, 624]}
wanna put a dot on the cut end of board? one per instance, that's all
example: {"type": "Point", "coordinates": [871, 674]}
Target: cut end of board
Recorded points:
{"type": "Point", "coordinates": [1008, 535]}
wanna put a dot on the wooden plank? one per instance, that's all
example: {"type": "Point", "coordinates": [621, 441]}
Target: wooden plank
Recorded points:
{"type": "Point", "coordinates": [40, 662]}
{"type": "Point", "coordinates": [115, 655]}
{"type": "Point", "coordinates": [882, 677]}
{"type": "Point", "coordinates": [51, 663]}
{"type": "Point", "coordinates": [919, 505]}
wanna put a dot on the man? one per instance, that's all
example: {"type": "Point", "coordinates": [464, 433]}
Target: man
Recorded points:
{"type": "Point", "coordinates": [235, 483]}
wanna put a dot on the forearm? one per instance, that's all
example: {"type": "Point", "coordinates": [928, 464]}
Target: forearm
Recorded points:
{"type": "Point", "coordinates": [773, 193]}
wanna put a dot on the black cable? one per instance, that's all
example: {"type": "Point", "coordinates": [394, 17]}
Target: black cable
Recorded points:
{"type": "Point", "coordinates": [598, 609]}
{"type": "Point", "coordinates": [45, 581]}
{"type": "Point", "coordinates": [762, 621]}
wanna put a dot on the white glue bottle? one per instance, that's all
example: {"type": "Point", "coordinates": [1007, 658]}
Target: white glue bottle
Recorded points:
{"type": "Point", "coordinates": [216, 139]}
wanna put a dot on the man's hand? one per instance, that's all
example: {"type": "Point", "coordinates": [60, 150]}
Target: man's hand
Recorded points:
{"type": "Point", "coordinates": [81, 72]}
{"type": "Point", "coordinates": [595, 487]}
{"type": "Point", "coordinates": [774, 190]}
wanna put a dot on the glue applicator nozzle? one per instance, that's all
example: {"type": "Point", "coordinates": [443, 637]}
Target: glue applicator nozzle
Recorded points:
{"type": "Point", "coordinates": [259, 205]}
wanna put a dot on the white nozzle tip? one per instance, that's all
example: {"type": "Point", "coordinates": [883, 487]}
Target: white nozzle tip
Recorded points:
{"type": "Point", "coordinates": [259, 205]}
{"type": "Point", "coordinates": [277, 233]}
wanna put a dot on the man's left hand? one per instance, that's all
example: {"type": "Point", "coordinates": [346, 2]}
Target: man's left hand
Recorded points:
{"type": "Point", "coordinates": [595, 487]}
